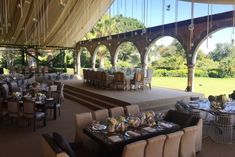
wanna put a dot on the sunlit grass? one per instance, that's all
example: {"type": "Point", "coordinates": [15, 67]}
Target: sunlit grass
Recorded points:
{"type": "Point", "coordinates": [208, 86]}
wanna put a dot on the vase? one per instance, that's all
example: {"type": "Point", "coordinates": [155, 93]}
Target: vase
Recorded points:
{"type": "Point", "coordinates": [111, 128]}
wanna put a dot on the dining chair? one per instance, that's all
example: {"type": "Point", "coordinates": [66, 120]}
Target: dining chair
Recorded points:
{"type": "Point", "coordinates": [52, 88]}
{"type": "Point", "coordinates": [119, 80]}
{"type": "Point", "coordinates": [3, 111]}
{"type": "Point", "coordinates": [187, 144]}
{"type": "Point", "coordinates": [5, 91]}
{"type": "Point", "coordinates": [82, 120]}
{"type": "Point", "coordinates": [137, 81]}
{"type": "Point", "coordinates": [50, 106]}
{"type": "Point", "coordinates": [148, 79]}
{"type": "Point", "coordinates": [132, 110]}
{"type": "Point", "coordinates": [84, 76]}
{"type": "Point", "coordinates": [155, 146]}
{"type": "Point", "coordinates": [104, 80]}
{"type": "Point", "coordinates": [98, 79]}
{"type": "Point", "coordinates": [222, 130]}
{"type": "Point", "coordinates": [172, 143]}
{"type": "Point", "coordinates": [101, 115]}
{"type": "Point", "coordinates": [116, 111]}
{"type": "Point", "coordinates": [135, 149]}
{"type": "Point", "coordinates": [13, 110]}
{"type": "Point", "coordinates": [30, 113]}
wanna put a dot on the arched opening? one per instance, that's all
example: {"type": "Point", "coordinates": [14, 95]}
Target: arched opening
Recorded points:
{"type": "Point", "coordinates": [166, 56]}
{"type": "Point", "coordinates": [127, 56]}
{"type": "Point", "coordinates": [214, 61]}
{"type": "Point", "coordinates": [102, 57]}
{"type": "Point", "coordinates": [85, 58]}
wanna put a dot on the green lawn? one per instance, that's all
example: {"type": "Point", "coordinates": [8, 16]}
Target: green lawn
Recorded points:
{"type": "Point", "coordinates": [208, 86]}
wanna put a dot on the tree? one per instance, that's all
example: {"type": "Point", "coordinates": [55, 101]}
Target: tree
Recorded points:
{"type": "Point", "coordinates": [128, 53]}
{"type": "Point", "coordinates": [113, 25]}
{"type": "Point", "coordinates": [85, 58]}
{"type": "Point", "coordinates": [221, 51]}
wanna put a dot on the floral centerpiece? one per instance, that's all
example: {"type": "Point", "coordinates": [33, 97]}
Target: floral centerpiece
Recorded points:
{"type": "Point", "coordinates": [17, 95]}
{"type": "Point", "coordinates": [147, 118]}
{"type": "Point", "coordinates": [134, 122]}
{"type": "Point", "coordinates": [217, 102]}
{"type": "Point", "coordinates": [121, 123]}
{"type": "Point", "coordinates": [112, 122]}
{"type": "Point", "coordinates": [232, 95]}
{"type": "Point", "coordinates": [41, 96]}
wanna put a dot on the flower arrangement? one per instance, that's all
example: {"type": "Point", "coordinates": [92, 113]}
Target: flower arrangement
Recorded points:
{"type": "Point", "coordinates": [217, 102]}
{"type": "Point", "coordinates": [40, 96]}
{"type": "Point", "coordinates": [232, 95]}
{"type": "Point", "coordinates": [112, 122]}
{"type": "Point", "coordinates": [121, 126]}
{"type": "Point", "coordinates": [17, 95]}
{"type": "Point", "coordinates": [134, 122]}
{"type": "Point", "coordinates": [147, 118]}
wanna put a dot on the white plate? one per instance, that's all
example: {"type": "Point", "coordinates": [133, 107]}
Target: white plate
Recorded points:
{"type": "Point", "coordinates": [50, 98]}
{"type": "Point", "coordinates": [99, 127]}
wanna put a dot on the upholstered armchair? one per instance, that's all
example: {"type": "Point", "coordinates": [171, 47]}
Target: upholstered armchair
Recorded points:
{"type": "Point", "coordinates": [135, 149]}
{"type": "Point", "coordinates": [132, 110]}
{"type": "Point", "coordinates": [101, 115]}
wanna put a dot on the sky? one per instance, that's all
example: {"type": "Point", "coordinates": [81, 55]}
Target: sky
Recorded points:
{"type": "Point", "coordinates": [154, 15]}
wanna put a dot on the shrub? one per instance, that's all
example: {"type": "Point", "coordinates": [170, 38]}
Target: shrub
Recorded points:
{"type": "Point", "coordinates": [200, 73]}
{"type": "Point", "coordinates": [170, 73]}
{"type": "Point", "coordinates": [213, 74]}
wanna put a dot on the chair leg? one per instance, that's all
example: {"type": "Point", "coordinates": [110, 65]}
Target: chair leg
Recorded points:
{"type": "Point", "coordinates": [59, 110]}
{"type": "Point", "coordinates": [44, 121]}
{"type": "Point", "coordinates": [34, 125]}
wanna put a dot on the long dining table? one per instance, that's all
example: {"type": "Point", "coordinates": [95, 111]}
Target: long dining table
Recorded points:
{"type": "Point", "coordinates": [108, 146]}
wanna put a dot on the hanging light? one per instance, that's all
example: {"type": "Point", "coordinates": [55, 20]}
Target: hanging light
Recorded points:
{"type": "Point", "coordinates": [168, 7]}
{"type": "Point", "coordinates": [233, 31]}
{"type": "Point", "coordinates": [191, 26]}
{"type": "Point", "coordinates": [208, 24]}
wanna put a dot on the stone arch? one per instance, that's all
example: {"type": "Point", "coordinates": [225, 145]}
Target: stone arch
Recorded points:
{"type": "Point", "coordinates": [154, 41]}
{"type": "Point", "coordinates": [120, 45]}
{"type": "Point", "coordinates": [94, 57]}
{"type": "Point", "coordinates": [80, 50]}
{"type": "Point", "coordinates": [194, 57]}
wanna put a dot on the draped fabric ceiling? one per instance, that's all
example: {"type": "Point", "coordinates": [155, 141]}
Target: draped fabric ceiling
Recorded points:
{"type": "Point", "coordinates": [53, 22]}
{"type": "Point", "coordinates": [212, 1]}
{"type": "Point", "coordinates": [48, 22]}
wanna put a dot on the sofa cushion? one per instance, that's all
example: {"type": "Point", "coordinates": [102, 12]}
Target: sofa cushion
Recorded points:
{"type": "Point", "coordinates": [50, 141]}
{"type": "Point", "coordinates": [182, 119]}
{"type": "Point", "coordinates": [63, 144]}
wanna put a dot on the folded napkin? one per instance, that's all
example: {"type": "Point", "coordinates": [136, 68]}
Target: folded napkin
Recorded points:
{"type": "Point", "coordinates": [166, 125]}
{"type": "Point", "coordinates": [149, 129]}
{"type": "Point", "coordinates": [132, 133]}
{"type": "Point", "coordinates": [115, 138]}
{"type": "Point", "coordinates": [38, 102]}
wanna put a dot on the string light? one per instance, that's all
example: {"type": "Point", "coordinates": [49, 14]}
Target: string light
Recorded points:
{"type": "Point", "coordinates": [176, 16]}
{"type": "Point", "coordinates": [208, 24]}
{"type": "Point", "coordinates": [163, 16]}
